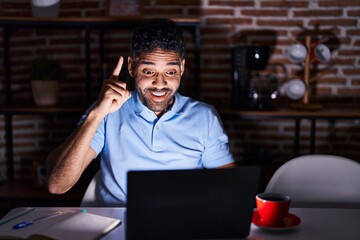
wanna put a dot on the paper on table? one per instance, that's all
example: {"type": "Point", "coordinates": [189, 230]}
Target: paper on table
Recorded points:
{"type": "Point", "coordinates": [72, 224]}
{"type": "Point", "coordinates": [14, 216]}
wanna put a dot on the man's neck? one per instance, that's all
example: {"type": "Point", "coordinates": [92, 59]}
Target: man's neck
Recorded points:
{"type": "Point", "coordinates": [159, 114]}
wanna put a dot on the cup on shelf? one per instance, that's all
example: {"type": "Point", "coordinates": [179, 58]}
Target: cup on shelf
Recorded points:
{"type": "Point", "coordinates": [272, 208]}
{"type": "Point", "coordinates": [320, 54]}
{"type": "Point", "coordinates": [294, 89]}
{"type": "Point", "coordinates": [297, 52]}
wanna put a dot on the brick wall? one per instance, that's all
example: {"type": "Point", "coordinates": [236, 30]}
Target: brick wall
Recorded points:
{"type": "Point", "coordinates": [224, 24]}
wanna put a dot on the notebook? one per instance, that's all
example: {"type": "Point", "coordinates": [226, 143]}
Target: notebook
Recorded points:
{"type": "Point", "coordinates": [191, 204]}
{"type": "Point", "coordinates": [45, 223]}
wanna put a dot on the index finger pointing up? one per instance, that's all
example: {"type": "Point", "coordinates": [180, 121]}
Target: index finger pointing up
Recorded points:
{"type": "Point", "coordinates": [118, 67]}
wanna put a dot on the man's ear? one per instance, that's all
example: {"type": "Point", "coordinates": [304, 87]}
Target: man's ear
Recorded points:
{"type": "Point", "coordinates": [131, 67]}
{"type": "Point", "coordinates": [182, 65]}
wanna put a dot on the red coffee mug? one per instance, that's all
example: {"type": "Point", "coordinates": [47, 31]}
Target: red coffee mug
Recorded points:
{"type": "Point", "coordinates": [272, 208]}
{"type": "Point", "coordinates": [320, 53]}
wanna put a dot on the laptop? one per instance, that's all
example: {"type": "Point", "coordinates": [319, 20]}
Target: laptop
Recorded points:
{"type": "Point", "coordinates": [191, 204]}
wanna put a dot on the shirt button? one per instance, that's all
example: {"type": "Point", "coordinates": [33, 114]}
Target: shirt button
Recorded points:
{"type": "Point", "coordinates": [157, 127]}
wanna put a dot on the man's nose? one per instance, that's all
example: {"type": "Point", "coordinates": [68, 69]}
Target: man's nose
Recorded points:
{"type": "Point", "coordinates": [160, 80]}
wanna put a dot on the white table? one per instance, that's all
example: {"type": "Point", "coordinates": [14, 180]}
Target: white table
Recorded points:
{"type": "Point", "coordinates": [316, 223]}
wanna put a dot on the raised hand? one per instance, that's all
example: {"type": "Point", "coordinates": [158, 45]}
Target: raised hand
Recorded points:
{"type": "Point", "coordinates": [113, 92]}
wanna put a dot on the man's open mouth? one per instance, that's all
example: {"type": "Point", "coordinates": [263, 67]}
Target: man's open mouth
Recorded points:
{"type": "Point", "coordinates": [159, 94]}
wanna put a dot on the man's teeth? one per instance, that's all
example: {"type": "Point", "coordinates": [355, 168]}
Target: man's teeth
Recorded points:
{"type": "Point", "coordinates": [159, 94]}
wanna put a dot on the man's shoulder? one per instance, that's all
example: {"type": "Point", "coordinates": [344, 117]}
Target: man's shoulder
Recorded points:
{"type": "Point", "coordinates": [189, 104]}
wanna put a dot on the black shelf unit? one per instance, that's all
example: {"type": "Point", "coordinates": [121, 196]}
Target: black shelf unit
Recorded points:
{"type": "Point", "coordinates": [10, 25]}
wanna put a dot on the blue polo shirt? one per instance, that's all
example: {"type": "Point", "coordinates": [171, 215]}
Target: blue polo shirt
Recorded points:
{"type": "Point", "coordinates": [190, 135]}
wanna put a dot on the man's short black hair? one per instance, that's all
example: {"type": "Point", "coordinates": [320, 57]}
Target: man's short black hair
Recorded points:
{"type": "Point", "coordinates": [158, 34]}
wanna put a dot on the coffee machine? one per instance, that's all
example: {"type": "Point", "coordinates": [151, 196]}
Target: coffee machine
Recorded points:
{"type": "Point", "coordinates": [251, 89]}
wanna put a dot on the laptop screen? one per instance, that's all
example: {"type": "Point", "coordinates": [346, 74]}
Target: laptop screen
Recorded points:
{"type": "Point", "coordinates": [191, 204]}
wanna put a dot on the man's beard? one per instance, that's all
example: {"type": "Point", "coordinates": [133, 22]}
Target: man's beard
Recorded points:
{"type": "Point", "coordinates": [146, 98]}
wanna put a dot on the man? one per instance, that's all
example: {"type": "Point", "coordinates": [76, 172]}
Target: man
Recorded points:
{"type": "Point", "coordinates": [153, 127]}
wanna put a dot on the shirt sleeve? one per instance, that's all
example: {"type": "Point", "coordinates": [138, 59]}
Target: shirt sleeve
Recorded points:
{"type": "Point", "coordinates": [97, 143]}
{"type": "Point", "coordinates": [217, 152]}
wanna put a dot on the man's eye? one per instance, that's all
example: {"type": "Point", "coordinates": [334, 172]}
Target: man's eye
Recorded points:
{"type": "Point", "coordinates": [171, 73]}
{"type": "Point", "coordinates": [148, 72]}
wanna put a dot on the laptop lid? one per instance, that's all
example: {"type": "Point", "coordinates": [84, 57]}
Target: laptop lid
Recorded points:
{"type": "Point", "coordinates": [191, 204]}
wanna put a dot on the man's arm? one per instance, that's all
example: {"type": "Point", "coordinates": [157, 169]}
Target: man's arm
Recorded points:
{"type": "Point", "coordinates": [229, 165]}
{"type": "Point", "coordinates": [67, 162]}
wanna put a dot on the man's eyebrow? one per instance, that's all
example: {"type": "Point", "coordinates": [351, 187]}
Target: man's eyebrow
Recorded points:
{"type": "Point", "coordinates": [146, 62]}
{"type": "Point", "coordinates": [171, 63]}
{"type": "Point", "coordinates": [176, 63]}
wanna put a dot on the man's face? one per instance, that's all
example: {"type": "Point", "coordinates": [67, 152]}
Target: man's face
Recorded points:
{"type": "Point", "coordinates": [157, 78]}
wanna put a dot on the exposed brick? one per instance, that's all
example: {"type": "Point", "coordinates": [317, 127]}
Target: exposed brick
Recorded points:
{"type": "Point", "coordinates": [218, 21]}
{"type": "Point", "coordinates": [215, 40]}
{"type": "Point", "coordinates": [351, 71]}
{"type": "Point", "coordinates": [66, 5]}
{"type": "Point", "coordinates": [70, 14]}
{"type": "Point", "coordinates": [318, 13]}
{"type": "Point", "coordinates": [47, 33]}
{"type": "Point", "coordinates": [95, 13]}
{"type": "Point", "coordinates": [210, 11]}
{"type": "Point", "coordinates": [357, 43]}
{"type": "Point", "coordinates": [179, 2]}
{"type": "Point", "coordinates": [217, 30]}
{"type": "Point", "coordinates": [339, 61]}
{"type": "Point", "coordinates": [4, 5]}
{"type": "Point", "coordinates": [323, 91]}
{"type": "Point", "coordinates": [163, 11]}
{"type": "Point", "coordinates": [279, 23]}
{"type": "Point", "coordinates": [217, 60]}
{"type": "Point", "coordinates": [338, 3]}
{"type": "Point", "coordinates": [284, 4]}
{"type": "Point", "coordinates": [325, 32]}
{"type": "Point", "coordinates": [334, 22]}
{"type": "Point", "coordinates": [349, 91]}
{"type": "Point", "coordinates": [352, 52]}
{"type": "Point", "coordinates": [243, 3]}
{"type": "Point", "coordinates": [355, 82]}
{"type": "Point", "coordinates": [211, 50]}
{"type": "Point", "coordinates": [264, 13]}
{"type": "Point", "coordinates": [332, 80]}
{"type": "Point", "coordinates": [354, 13]}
